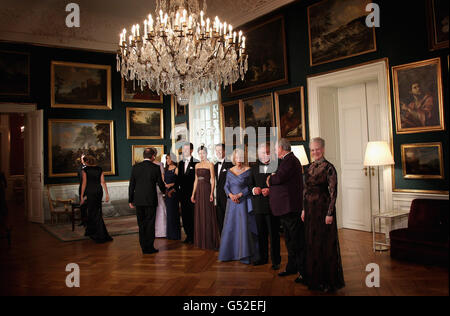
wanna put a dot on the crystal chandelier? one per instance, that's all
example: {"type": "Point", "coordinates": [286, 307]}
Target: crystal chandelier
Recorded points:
{"type": "Point", "coordinates": [179, 52]}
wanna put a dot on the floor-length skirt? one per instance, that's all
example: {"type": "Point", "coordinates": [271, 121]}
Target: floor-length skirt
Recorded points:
{"type": "Point", "coordinates": [173, 218]}
{"type": "Point", "coordinates": [96, 228]}
{"type": "Point", "coordinates": [161, 217]}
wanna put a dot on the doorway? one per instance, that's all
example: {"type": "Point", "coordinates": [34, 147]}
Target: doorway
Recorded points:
{"type": "Point", "coordinates": [31, 133]}
{"type": "Point", "coordinates": [349, 108]}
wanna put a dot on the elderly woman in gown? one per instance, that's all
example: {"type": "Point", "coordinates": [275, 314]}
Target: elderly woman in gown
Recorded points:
{"type": "Point", "coordinates": [239, 235]}
{"type": "Point", "coordinates": [323, 259]}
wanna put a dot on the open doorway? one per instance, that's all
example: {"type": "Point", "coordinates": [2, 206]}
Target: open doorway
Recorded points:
{"type": "Point", "coordinates": [349, 108]}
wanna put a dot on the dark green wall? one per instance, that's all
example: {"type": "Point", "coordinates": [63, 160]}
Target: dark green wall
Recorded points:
{"type": "Point", "coordinates": [40, 59]}
{"type": "Point", "coordinates": [402, 38]}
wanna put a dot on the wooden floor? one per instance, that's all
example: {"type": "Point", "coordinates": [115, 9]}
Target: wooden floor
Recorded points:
{"type": "Point", "coordinates": [36, 262]}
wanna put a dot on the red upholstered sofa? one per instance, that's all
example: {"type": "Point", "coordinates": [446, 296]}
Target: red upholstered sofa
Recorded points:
{"type": "Point", "coordinates": [427, 236]}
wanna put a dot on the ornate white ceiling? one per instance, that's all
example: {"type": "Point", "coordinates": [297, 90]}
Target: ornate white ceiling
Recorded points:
{"type": "Point", "coordinates": [43, 21]}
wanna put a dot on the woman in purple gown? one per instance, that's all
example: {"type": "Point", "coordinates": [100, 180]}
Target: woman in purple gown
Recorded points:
{"type": "Point", "coordinates": [239, 235]}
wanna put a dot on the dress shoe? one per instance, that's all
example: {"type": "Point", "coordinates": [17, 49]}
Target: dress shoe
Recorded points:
{"type": "Point", "coordinates": [275, 267]}
{"type": "Point", "coordinates": [286, 273]}
{"type": "Point", "coordinates": [300, 279]}
{"type": "Point", "coordinates": [150, 252]}
{"type": "Point", "coordinates": [259, 263]}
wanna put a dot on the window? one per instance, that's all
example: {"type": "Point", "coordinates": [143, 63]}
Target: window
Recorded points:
{"type": "Point", "coordinates": [204, 122]}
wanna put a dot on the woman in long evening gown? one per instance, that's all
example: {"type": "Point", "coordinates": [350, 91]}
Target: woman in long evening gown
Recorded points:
{"type": "Point", "coordinates": [92, 194]}
{"type": "Point", "coordinates": [172, 206]}
{"type": "Point", "coordinates": [239, 235]}
{"type": "Point", "coordinates": [161, 212]}
{"type": "Point", "coordinates": [323, 259]}
{"type": "Point", "coordinates": [206, 229]}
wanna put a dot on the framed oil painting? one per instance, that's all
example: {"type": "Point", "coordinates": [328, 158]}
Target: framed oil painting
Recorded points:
{"type": "Point", "coordinates": [338, 30]}
{"type": "Point", "coordinates": [14, 73]}
{"type": "Point", "coordinates": [68, 139]}
{"type": "Point", "coordinates": [132, 93]}
{"type": "Point", "coordinates": [267, 59]}
{"type": "Point", "coordinates": [422, 161]}
{"type": "Point", "coordinates": [231, 116]}
{"type": "Point", "coordinates": [80, 86]}
{"type": "Point", "coordinates": [419, 105]}
{"type": "Point", "coordinates": [138, 153]}
{"type": "Point", "coordinates": [145, 123]}
{"type": "Point", "coordinates": [438, 22]}
{"type": "Point", "coordinates": [258, 112]}
{"type": "Point", "coordinates": [290, 109]}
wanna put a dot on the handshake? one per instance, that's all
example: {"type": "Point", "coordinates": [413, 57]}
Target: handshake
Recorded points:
{"type": "Point", "coordinates": [258, 191]}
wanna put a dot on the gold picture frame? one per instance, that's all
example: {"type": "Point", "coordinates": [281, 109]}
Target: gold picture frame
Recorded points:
{"type": "Point", "coordinates": [436, 17]}
{"type": "Point", "coordinates": [226, 112]}
{"type": "Point", "coordinates": [418, 159]}
{"type": "Point", "coordinates": [137, 151]}
{"type": "Point", "coordinates": [154, 98]}
{"type": "Point", "coordinates": [69, 137]}
{"type": "Point", "coordinates": [136, 130]}
{"type": "Point", "coordinates": [82, 79]}
{"type": "Point", "coordinates": [323, 51]}
{"type": "Point", "coordinates": [291, 97]}
{"type": "Point", "coordinates": [416, 113]}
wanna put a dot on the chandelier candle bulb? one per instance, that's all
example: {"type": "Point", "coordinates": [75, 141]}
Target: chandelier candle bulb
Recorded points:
{"type": "Point", "coordinates": [137, 30]}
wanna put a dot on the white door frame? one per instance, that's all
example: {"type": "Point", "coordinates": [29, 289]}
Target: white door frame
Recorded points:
{"type": "Point", "coordinates": [376, 70]}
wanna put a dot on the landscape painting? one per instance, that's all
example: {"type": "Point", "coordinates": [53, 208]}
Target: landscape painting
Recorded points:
{"type": "Point", "coordinates": [422, 161]}
{"type": "Point", "coordinates": [231, 116]}
{"type": "Point", "coordinates": [14, 73]}
{"type": "Point", "coordinates": [267, 58]}
{"type": "Point", "coordinates": [138, 153]}
{"type": "Point", "coordinates": [145, 123]}
{"type": "Point", "coordinates": [258, 112]}
{"type": "Point", "coordinates": [132, 93]}
{"type": "Point", "coordinates": [82, 86]}
{"type": "Point", "coordinates": [338, 30]}
{"type": "Point", "coordinates": [68, 139]}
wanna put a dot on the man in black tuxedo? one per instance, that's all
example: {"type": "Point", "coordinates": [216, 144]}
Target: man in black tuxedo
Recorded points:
{"type": "Point", "coordinates": [185, 185]}
{"type": "Point", "coordinates": [286, 201]}
{"type": "Point", "coordinates": [221, 168]}
{"type": "Point", "coordinates": [83, 207]}
{"type": "Point", "coordinates": [143, 197]}
{"type": "Point", "coordinates": [268, 224]}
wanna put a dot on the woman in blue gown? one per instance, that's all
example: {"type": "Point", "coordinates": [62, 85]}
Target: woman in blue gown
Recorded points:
{"type": "Point", "coordinates": [239, 235]}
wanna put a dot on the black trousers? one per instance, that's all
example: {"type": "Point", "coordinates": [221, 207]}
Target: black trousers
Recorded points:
{"type": "Point", "coordinates": [220, 211]}
{"type": "Point", "coordinates": [294, 234]}
{"type": "Point", "coordinates": [146, 216]}
{"type": "Point", "coordinates": [187, 215]}
{"type": "Point", "coordinates": [268, 227]}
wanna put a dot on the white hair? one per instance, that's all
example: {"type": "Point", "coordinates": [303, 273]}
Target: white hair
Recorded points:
{"type": "Point", "coordinates": [318, 140]}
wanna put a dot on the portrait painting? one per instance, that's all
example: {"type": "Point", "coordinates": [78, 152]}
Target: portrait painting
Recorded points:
{"type": "Point", "coordinates": [290, 109]}
{"type": "Point", "coordinates": [132, 92]}
{"type": "Point", "coordinates": [438, 23]}
{"type": "Point", "coordinates": [138, 153]}
{"type": "Point", "coordinates": [68, 139]}
{"type": "Point", "coordinates": [422, 161]}
{"type": "Point", "coordinates": [14, 74]}
{"type": "Point", "coordinates": [258, 112]}
{"type": "Point", "coordinates": [418, 97]}
{"type": "Point", "coordinates": [267, 59]}
{"type": "Point", "coordinates": [145, 123]}
{"type": "Point", "coordinates": [338, 30]}
{"type": "Point", "coordinates": [80, 86]}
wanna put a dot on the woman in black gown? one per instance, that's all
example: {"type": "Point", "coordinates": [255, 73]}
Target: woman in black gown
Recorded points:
{"type": "Point", "coordinates": [92, 194]}
{"type": "Point", "coordinates": [172, 208]}
{"type": "Point", "coordinates": [323, 259]}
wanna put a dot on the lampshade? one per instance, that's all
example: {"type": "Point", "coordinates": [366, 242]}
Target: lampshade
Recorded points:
{"type": "Point", "coordinates": [378, 154]}
{"type": "Point", "coordinates": [300, 153]}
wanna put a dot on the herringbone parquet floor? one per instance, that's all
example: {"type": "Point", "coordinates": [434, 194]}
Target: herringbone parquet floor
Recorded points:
{"type": "Point", "coordinates": [36, 262]}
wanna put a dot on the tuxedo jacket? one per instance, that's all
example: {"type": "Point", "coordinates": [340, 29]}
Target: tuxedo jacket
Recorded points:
{"type": "Point", "coordinates": [220, 181]}
{"type": "Point", "coordinates": [145, 176]}
{"type": "Point", "coordinates": [286, 187]}
{"type": "Point", "coordinates": [258, 179]}
{"type": "Point", "coordinates": [185, 180]}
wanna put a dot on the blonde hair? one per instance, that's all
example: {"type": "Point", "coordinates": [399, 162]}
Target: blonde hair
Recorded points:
{"type": "Point", "coordinates": [235, 153]}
